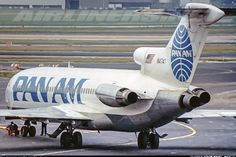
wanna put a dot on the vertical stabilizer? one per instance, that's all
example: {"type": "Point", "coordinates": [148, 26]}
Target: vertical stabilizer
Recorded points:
{"type": "Point", "coordinates": [176, 64]}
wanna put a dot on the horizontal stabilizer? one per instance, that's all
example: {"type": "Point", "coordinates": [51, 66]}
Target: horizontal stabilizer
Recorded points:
{"type": "Point", "coordinates": [156, 12]}
{"type": "Point", "coordinates": [174, 12]}
{"type": "Point", "coordinates": [229, 11]}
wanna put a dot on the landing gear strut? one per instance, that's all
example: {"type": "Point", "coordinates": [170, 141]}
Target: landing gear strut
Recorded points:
{"type": "Point", "coordinates": [148, 138]}
{"type": "Point", "coordinates": [71, 139]}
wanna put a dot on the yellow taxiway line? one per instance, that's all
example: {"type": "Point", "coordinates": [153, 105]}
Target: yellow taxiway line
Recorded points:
{"type": "Point", "coordinates": [193, 132]}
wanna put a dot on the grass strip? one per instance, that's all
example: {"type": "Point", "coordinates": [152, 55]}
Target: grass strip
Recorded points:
{"type": "Point", "coordinates": [21, 59]}
{"type": "Point", "coordinates": [7, 74]}
{"type": "Point", "coordinates": [109, 47]}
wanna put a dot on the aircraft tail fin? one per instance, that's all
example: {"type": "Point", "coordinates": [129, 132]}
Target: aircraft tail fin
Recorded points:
{"type": "Point", "coordinates": [176, 64]}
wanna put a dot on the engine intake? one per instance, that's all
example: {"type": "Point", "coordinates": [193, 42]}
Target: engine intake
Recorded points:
{"type": "Point", "coordinates": [115, 96]}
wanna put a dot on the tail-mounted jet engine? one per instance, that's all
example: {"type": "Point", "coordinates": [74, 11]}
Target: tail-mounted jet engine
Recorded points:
{"type": "Point", "coordinates": [171, 104]}
{"type": "Point", "coordinates": [193, 98]}
{"type": "Point", "coordinates": [115, 96]}
{"type": "Point", "coordinates": [188, 101]}
{"type": "Point", "coordinates": [203, 95]}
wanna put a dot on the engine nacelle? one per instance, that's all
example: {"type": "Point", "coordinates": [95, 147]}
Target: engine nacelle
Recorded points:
{"type": "Point", "coordinates": [115, 96]}
{"type": "Point", "coordinates": [193, 98]}
{"type": "Point", "coordinates": [189, 101]}
{"type": "Point", "coordinates": [170, 104]}
{"type": "Point", "coordinates": [203, 95]}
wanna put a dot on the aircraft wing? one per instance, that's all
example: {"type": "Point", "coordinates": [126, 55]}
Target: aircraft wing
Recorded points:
{"type": "Point", "coordinates": [209, 113]}
{"type": "Point", "coordinates": [53, 113]}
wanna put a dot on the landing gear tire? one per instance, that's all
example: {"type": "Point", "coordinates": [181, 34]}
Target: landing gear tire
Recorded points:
{"type": "Point", "coordinates": [66, 140]}
{"type": "Point", "coordinates": [154, 141]}
{"type": "Point", "coordinates": [77, 140]}
{"type": "Point", "coordinates": [148, 139]}
{"type": "Point", "coordinates": [142, 140]}
{"type": "Point", "coordinates": [24, 131]}
{"type": "Point", "coordinates": [32, 131]}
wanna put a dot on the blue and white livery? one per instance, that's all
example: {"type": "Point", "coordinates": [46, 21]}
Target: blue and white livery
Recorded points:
{"type": "Point", "coordinates": [182, 55]}
{"type": "Point", "coordinates": [119, 100]}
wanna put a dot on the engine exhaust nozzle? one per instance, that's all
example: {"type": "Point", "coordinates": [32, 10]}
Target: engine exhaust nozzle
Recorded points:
{"type": "Point", "coordinates": [189, 102]}
{"type": "Point", "coordinates": [204, 96]}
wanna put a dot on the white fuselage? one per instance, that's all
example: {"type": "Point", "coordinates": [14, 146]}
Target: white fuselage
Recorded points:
{"type": "Point", "coordinates": [43, 87]}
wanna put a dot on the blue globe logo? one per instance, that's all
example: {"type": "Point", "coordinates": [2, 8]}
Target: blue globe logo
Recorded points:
{"type": "Point", "coordinates": [182, 55]}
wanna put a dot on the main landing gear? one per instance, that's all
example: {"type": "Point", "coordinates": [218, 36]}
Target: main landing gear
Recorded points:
{"type": "Point", "coordinates": [149, 138]}
{"type": "Point", "coordinates": [28, 129]}
{"type": "Point", "coordinates": [71, 139]}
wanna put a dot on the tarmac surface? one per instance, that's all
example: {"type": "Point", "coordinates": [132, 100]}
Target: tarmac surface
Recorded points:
{"type": "Point", "coordinates": [202, 137]}
{"type": "Point", "coordinates": [205, 136]}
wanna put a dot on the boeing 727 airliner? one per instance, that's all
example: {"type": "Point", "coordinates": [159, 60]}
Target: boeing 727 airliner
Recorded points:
{"type": "Point", "coordinates": [120, 100]}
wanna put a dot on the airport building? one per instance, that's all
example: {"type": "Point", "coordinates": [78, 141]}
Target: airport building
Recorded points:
{"type": "Point", "coordinates": [89, 4]}
{"type": "Point", "coordinates": [77, 4]}
{"type": "Point", "coordinates": [32, 4]}
{"type": "Point", "coordinates": [105, 4]}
